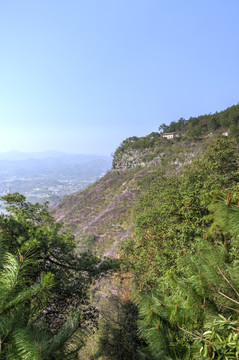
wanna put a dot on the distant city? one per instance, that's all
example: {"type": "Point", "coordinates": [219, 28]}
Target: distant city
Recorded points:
{"type": "Point", "coordinates": [49, 176]}
{"type": "Point", "coordinates": [43, 188]}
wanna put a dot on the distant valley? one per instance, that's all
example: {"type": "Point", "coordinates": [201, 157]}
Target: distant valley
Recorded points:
{"type": "Point", "coordinates": [48, 176]}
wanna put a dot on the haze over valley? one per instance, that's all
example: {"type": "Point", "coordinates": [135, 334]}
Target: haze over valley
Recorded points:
{"type": "Point", "coordinates": [49, 175]}
{"type": "Point", "coordinates": [119, 180]}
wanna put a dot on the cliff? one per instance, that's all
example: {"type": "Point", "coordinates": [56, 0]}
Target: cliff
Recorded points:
{"type": "Point", "coordinates": [101, 216]}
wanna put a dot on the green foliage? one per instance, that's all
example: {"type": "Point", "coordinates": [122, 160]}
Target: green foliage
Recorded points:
{"type": "Point", "coordinates": [17, 306]}
{"type": "Point", "coordinates": [140, 143]}
{"type": "Point", "coordinates": [173, 214]}
{"type": "Point", "coordinates": [118, 337]}
{"type": "Point", "coordinates": [151, 142]}
{"type": "Point", "coordinates": [30, 226]}
{"type": "Point", "coordinates": [175, 211]}
{"type": "Point", "coordinates": [184, 254]}
{"type": "Point", "coordinates": [44, 307]}
{"type": "Point", "coordinates": [221, 340]}
{"type": "Point", "coordinates": [202, 125]}
{"type": "Point", "coordinates": [183, 320]}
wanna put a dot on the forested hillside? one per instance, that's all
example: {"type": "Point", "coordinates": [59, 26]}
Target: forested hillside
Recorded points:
{"type": "Point", "coordinates": [151, 270]}
{"type": "Point", "coordinates": [184, 255]}
{"type": "Point", "coordinates": [227, 120]}
{"type": "Point", "coordinates": [158, 205]}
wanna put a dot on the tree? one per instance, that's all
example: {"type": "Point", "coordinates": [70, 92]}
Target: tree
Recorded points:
{"type": "Point", "coordinates": [163, 128]}
{"type": "Point", "coordinates": [195, 314]}
{"type": "Point", "coordinates": [175, 211]}
{"type": "Point", "coordinates": [184, 319]}
{"type": "Point", "coordinates": [213, 123]}
{"type": "Point", "coordinates": [118, 338]}
{"type": "Point", "coordinates": [184, 254]}
{"type": "Point", "coordinates": [30, 229]}
{"type": "Point", "coordinates": [23, 334]}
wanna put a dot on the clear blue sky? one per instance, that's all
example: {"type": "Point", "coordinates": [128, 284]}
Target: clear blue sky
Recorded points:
{"type": "Point", "coordinates": [82, 75]}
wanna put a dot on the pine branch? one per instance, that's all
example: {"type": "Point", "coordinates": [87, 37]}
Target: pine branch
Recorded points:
{"type": "Point", "coordinates": [228, 307]}
{"type": "Point", "coordinates": [193, 294]}
{"type": "Point", "coordinates": [228, 281]}
{"type": "Point", "coordinates": [194, 335]}
{"type": "Point", "coordinates": [227, 297]}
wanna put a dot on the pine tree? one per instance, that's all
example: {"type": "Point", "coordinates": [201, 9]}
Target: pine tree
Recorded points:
{"type": "Point", "coordinates": [44, 308]}
{"type": "Point", "coordinates": [196, 315]}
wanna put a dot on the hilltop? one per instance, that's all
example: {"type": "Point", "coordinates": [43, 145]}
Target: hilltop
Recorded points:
{"type": "Point", "coordinates": [155, 203]}
{"type": "Point", "coordinates": [101, 216]}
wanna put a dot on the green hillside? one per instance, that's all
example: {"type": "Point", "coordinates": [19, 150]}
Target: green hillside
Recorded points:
{"type": "Point", "coordinates": [142, 265]}
{"type": "Point", "coordinates": [154, 210]}
{"type": "Point", "coordinates": [194, 127]}
{"type": "Point", "coordinates": [101, 216]}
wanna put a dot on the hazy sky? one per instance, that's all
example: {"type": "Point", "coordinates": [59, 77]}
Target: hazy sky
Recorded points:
{"type": "Point", "coordinates": [82, 75]}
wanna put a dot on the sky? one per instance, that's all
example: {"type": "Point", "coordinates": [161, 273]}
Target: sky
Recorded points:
{"type": "Point", "coordinates": [81, 76]}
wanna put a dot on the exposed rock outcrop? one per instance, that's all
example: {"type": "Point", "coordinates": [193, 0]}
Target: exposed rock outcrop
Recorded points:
{"type": "Point", "coordinates": [136, 158]}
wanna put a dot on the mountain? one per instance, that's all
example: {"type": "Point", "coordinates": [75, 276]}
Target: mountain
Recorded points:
{"type": "Point", "coordinates": [74, 158]}
{"type": "Point", "coordinates": [101, 216]}
{"type": "Point", "coordinates": [152, 205]}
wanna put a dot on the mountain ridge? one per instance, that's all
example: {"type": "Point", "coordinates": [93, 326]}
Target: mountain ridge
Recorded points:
{"type": "Point", "coordinates": [107, 205]}
{"type": "Point", "coordinates": [16, 155]}
{"type": "Point", "coordinates": [157, 187]}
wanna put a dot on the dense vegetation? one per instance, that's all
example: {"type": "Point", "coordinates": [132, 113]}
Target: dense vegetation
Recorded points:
{"type": "Point", "coordinates": [190, 132]}
{"type": "Point", "coordinates": [204, 124]}
{"type": "Point", "coordinates": [176, 293]}
{"type": "Point", "coordinates": [45, 311]}
{"type": "Point", "coordinates": [184, 255]}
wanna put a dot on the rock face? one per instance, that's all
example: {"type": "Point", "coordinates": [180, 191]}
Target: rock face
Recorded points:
{"type": "Point", "coordinates": [154, 150]}
{"type": "Point", "coordinates": [101, 216]}
{"type": "Point", "coordinates": [162, 153]}
{"type": "Point", "coordinates": [129, 160]}
{"type": "Point", "coordinates": [136, 158]}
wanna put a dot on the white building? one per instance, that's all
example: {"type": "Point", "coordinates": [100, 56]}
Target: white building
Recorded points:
{"type": "Point", "coordinates": [170, 135]}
